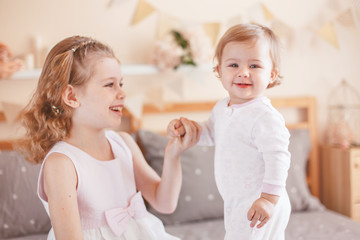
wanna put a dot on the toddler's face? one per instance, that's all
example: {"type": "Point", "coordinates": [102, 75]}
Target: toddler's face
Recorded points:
{"type": "Point", "coordinates": [246, 69]}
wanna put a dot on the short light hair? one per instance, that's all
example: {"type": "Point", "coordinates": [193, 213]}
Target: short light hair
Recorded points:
{"type": "Point", "coordinates": [251, 32]}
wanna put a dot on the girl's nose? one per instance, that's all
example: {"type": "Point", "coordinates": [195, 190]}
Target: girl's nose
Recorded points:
{"type": "Point", "coordinates": [120, 93]}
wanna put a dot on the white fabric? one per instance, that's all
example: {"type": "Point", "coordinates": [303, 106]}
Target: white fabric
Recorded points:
{"type": "Point", "coordinates": [251, 150]}
{"type": "Point", "coordinates": [104, 185]}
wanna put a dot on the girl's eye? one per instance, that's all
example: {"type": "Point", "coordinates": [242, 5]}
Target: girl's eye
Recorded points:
{"type": "Point", "coordinates": [109, 85]}
{"type": "Point", "coordinates": [121, 85]}
{"type": "Point", "coordinates": [254, 66]}
{"type": "Point", "coordinates": [233, 65]}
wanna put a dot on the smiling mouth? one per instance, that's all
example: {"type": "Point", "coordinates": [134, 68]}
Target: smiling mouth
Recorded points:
{"type": "Point", "coordinates": [117, 109]}
{"type": "Point", "coordinates": [243, 85]}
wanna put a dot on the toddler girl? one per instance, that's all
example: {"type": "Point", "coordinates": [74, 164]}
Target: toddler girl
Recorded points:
{"type": "Point", "coordinates": [249, 134]}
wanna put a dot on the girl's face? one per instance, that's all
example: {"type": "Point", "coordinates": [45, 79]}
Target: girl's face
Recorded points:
{"type": "Point", "coordinates": [246, 70]}
{"type": "Point", "coordinates": [101, 100]}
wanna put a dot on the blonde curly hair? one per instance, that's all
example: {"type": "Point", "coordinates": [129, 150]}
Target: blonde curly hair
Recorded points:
{"type": "Point", "coordinates": [47, 119]}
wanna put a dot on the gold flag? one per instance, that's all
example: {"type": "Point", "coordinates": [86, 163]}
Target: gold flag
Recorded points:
{"type": "Point", "coordinates": [142, 11]}
{"type": "Point", "coordinates": [212, 30]}
{"type": "Point", "coordinates": [268, 15]}
{"type": "Point", "coordinates": [328, 33]}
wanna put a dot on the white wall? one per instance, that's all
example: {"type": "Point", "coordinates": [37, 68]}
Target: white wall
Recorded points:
{"type": "Point", "coordinates": [311, 66]}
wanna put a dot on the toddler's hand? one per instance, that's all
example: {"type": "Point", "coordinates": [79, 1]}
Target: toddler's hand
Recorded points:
{"type": "Point", "coordinates": [262, 210]}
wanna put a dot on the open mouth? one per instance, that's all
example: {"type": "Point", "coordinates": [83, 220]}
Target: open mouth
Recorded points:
{"type": "Point", "coordinates": [117, 109]}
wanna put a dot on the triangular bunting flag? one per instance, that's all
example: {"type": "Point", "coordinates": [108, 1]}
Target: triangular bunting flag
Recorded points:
{"type": "Point", "coordinates": [142, 11]}
{"type": "Point", "coordinates": [327, 32]}
{"type": "Point", "coordinates": [212, 30]}
{"type": "Point", "coordinates": [267, 14]}
{"type": "Point", "coordinates": [346, 18]}
{"type": "Point", "coordinates": [134, 104]}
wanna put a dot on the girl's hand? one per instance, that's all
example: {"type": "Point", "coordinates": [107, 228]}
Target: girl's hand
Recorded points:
{"type": "Point", "coordinates": [189, 138]}
{"type": "Point", "coordinates": [262, 210]}
{"type": "Point", "coordinates": [175, 129]}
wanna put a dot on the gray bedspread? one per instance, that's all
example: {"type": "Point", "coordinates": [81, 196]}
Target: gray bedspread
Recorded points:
{"type": "Point", "coordinates": [313, 225]}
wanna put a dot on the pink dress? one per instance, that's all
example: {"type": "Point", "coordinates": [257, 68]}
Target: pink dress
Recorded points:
{"type": "Point", "coordinates": [109, 206]}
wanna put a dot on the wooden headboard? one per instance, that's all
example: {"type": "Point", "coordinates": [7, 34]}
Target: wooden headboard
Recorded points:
{"type": "Point", "coordinates": [305, 105]}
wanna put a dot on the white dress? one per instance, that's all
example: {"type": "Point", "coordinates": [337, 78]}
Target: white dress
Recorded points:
{"type": "Point", "coordinates": [251, 156]}
{"type": "Point", "coordinates": [109, 206]}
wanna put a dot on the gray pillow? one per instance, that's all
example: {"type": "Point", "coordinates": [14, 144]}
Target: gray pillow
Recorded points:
{"type": "Point", "coordinates": [296, 186]}
{"type": "Point", "coordinates": [199, 198]}
{"type": "Point", "coordinates": [22, 213]}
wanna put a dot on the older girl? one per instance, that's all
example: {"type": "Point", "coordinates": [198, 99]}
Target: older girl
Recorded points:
{"type": "Point", "coordinates": [90, 176]}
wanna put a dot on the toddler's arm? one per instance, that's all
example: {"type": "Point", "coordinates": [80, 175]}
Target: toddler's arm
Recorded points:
{"type": "Point", "coordinates": [262, 209]}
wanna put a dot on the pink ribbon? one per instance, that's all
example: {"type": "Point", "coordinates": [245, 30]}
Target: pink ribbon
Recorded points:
{"type": "Point", "coordinates": [118, 218]}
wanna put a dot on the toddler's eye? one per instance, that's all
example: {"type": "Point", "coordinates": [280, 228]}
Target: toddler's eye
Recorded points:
{"type": "Point", "coordinates": [109, 85]}
{"type": "Point", "coordinates": [233, 65]}
{"type": "Point", "coordinates": [121, 84]}
{"type": "Point", "coordinates": [254, 66]}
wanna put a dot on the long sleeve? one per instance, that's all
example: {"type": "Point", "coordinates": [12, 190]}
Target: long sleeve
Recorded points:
{"type": "Point", "coordinates": [207, 132]}
{"type": "Point", "coordinates": [271, 137]}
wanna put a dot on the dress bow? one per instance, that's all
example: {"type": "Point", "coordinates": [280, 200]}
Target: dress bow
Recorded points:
{"type": "Point", "coordinates": [118, 218]}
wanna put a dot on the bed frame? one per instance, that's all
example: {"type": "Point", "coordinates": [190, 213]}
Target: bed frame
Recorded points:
{"type": "Point", "coordinates": [306, 105]}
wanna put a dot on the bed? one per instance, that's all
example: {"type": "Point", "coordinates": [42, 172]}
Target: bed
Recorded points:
{"type": "Point", "coordinates": [199, 214]}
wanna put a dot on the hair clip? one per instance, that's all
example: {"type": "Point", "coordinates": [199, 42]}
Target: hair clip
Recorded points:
{"type": "Point", "coordinates": [82, 45]}
{"type": "Point", "coordinates": [55, 109]}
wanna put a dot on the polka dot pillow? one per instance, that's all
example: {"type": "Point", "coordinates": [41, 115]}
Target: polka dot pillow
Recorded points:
{"type": "Point", "coordinates": [296, 186]}
{"type": "Point", "coordinates": [199, 198]}
{"type": "Point", "coordinates": [21, 211]}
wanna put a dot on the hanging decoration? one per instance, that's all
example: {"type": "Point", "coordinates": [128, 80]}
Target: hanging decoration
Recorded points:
{"type": "Point", "coordinates": [143, 10]}
{"type": "Point", "coordinates": [212, 30]}
{"type": "Point", "coordinates": [346, 18]}
{"type": "Point", "coordinates": [328, 33]}
{"type": "Point", "coordinates": [173, 21]}
{"type": "Point", "coordinates": [267, 13]}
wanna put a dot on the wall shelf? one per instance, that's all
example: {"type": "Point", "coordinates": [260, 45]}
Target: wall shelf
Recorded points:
{"type": "Point", "coordinates": [127, 69]}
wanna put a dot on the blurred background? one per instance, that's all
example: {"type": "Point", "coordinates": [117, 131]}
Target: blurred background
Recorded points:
{"type": "Point", "coordinates": [320, 44]}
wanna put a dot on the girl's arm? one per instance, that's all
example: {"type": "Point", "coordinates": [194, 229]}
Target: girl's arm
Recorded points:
{"type": "Point", "coordinates": [162, 193]}
{"type": "Point", "coordinates": [60, 183]}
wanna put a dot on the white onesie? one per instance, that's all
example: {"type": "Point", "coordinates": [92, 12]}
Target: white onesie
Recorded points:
{"type": "Point", "coordinates": [251, 156]}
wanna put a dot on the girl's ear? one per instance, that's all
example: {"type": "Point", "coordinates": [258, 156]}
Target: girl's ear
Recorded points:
{"type": "Point", "coordinates": [69, 97]}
